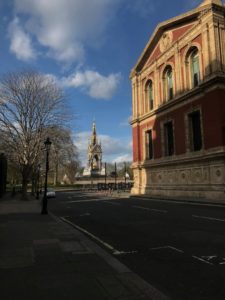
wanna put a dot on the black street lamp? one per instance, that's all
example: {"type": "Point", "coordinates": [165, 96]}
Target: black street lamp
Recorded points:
{"type": "Point", "coordinates": [115, 177]}
{"type": "Point", "coordinates": [105, 176]}
{"type": "Point", "coordinates": [38, 182]}
{"type": "Point", "coordinates": [45, 200]}
{"type": "Point", "coordinates": [125, 171]}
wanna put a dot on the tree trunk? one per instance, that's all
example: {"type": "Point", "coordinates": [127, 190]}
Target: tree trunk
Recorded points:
{"type": "Point", "coordinates": [33, 186]}
{"type": "Point", "coordinates": [24, 188]}
{"type": "Point", "coordinates": [56, 174]}
{"type": "Point", "coordinates": [25, 178]}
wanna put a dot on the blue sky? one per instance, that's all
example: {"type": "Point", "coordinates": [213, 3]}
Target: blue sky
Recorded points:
{"type": "Point", "coordinates": [89, 46]}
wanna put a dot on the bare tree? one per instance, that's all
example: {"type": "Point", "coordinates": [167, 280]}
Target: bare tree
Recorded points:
{"type": "Point", "coordinates": [30, 103]}
{"type": "Point", "coordinates": [63, 150]}
{"type": "Point", "coordinates": [71, 169]}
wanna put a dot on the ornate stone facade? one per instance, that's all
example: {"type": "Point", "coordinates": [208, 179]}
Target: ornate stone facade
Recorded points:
{"type": "Point", "coordinates": [178, 98]}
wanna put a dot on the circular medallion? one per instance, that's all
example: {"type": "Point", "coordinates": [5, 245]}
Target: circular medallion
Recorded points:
{"type": "Point", "coordinates": [218, 173]}
{"type": "Point", "coordinates": [166, 41]}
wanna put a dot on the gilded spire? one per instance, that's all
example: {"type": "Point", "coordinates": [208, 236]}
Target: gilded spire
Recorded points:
{"type": "Point", "coordinates": [94, 135]}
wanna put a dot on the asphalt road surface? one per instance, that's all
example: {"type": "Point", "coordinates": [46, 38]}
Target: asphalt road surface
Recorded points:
{"type": "Point", "coordinates": [177, 247]}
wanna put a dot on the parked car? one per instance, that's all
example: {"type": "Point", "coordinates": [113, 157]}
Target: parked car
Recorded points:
{"type": "Point", "coordinates": [50, 193]}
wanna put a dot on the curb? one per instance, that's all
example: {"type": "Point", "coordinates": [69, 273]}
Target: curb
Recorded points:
{"type": "Point", "coordinates": [125, 274]}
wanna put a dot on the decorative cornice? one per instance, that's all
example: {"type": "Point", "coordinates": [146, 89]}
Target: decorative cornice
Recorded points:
{"type": "Point", "coordinates": [187, 158]}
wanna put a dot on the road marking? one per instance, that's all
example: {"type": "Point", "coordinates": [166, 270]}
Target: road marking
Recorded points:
{"type": "Point", "coordinates": [202, 260]}
{"type": "Point", "coordinates": [108, 246]}
{"type": "Point", "coordinates": [178, 250]}
{"type": "Point", "coordinates": [166, 247]}
{"type": "Point", "coordinates": [85, 215]}
{"type": "Point", "coordinates": [150, 209]}
{"type": "Point", "coordinates": [125, 252]}
{"type": "Point", "coordinates": [208, 218]}
{"type": "Point", "coordinates": [209, 257]}
{"type": "Point", "coordinates": [89, 200]}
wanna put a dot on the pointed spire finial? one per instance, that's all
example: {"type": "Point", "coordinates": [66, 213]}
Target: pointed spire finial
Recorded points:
{"type": "Point", "coordinates": [94, 135]}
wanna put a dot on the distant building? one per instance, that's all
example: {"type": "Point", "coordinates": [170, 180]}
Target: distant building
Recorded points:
{"type": "Point", "coordinates": [94, 164]}
{"type": "Point", "coordinates": [178, 93]}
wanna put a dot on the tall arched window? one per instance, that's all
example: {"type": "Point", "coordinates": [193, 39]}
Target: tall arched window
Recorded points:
{"type": "Point", "coordinates": [149, 94]}
{"type": "Point", "coordinates": [168, 83]}
{"type": "Point", "coordinates": [194, 65]}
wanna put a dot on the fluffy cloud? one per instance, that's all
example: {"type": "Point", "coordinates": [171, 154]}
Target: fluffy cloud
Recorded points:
{"type": "Point", "coordinates": [20, 42]}
{"type": "Point", "coordinates": [66, 27]}
{"type": "Point", "coordinates": [122, 158]}
{"type": "Point", "coordinates": [114, 150]}
{"type": "Point", "coordinates": [126, 122]}
{"type": "Point", "coordinates": [96, 85]}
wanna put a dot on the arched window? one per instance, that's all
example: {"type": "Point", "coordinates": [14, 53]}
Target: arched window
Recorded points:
{"type": "Point", "coordinates": [194, 67]}
{"type": "Point", "coordinates": [149, 94]}
{"type": "Point", "coordinates": [168, 83]}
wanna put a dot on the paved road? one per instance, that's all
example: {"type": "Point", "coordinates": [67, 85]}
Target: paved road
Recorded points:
{"type": "Point", "coordinates": [178, 248]}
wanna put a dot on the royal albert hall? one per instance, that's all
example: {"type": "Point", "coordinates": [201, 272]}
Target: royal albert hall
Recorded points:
{"type": "Point", "coordinates": [178, 104]}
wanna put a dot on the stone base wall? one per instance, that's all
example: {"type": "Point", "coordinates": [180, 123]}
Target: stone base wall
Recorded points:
{"type": "Point", "coordinates": [203, 178]}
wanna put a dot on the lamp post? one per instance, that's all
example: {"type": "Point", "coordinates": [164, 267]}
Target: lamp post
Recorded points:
{"type": "Point", "coordinates": [115, 177]}
{"type": "Point", "coordinates": [45, 200]}
{"type": "Point", "coordinates": [105, 176]}
{"type": "Point", "coordinates": [125, 176]}
{"type": "Point", "coordinates": [38, 181]}
{"type": "Point", "coordinates": [91, 173]}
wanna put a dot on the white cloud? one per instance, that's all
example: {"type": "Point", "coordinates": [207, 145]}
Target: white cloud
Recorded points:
{"type": "Point", "coordinates": [96, 85]}
{"type": "Point", "coordinates": [123, 158]}
{"type": "Point", "coordinates": [113, 149]}
{"type": "Point", "coordinates": [126, 122]}
{"type": "Point", "coordinates": [20, 42]}
{"type": "Point", "coordinates": [66, 27]}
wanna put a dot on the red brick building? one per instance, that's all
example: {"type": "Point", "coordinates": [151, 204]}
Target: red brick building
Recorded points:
{"type": "Point", "coordinates": [178, 97]}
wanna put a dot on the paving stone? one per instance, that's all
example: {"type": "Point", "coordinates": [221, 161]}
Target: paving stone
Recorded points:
{"type": "Point", "coordinates": [17, 258]}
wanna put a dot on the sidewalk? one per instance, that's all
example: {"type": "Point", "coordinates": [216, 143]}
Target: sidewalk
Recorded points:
{"type": "Point", "coordinates": [41, 257]}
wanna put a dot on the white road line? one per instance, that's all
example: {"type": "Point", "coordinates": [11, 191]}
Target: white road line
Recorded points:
{"type": "Point", "coordinates": [222, 263]}
{"type": "Point", "coordinates": [89, 200]}
{"type": "Point", "coordinates": [209, 257]}
{"type": "Point", "coordinates": [208, 218]}
{"type": "Point", "coordinates": [125, 252]}
{"type": "Point", "coordinates": [158, 248]}
{"type": "Point", "coordinates": [150, 209]}
{"type": "Point", "coordinates": [166, 247]}
{"type": "Point", "coordinates": [202, 260]}
{"type": "Point", "coordinates": [85, 215]}
{"type": "Point", "coordinates": [178, 250]}
{"type": "Point", "coordinates": [108, 246]}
